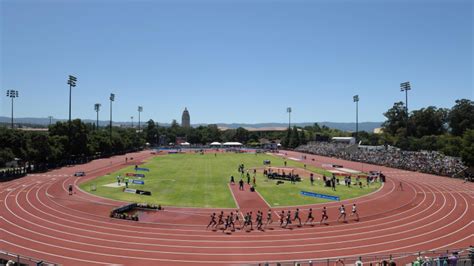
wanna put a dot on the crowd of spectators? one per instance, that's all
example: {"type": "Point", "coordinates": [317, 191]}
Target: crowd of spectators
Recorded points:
{"type": "Point", "coordinates": [431, 162]}
{"type": "Point", "coordinates": [10, 173]}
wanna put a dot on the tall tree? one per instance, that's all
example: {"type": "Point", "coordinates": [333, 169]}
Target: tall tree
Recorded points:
{"type": "Point", "coordinates": [467, 152]}
{"type": "Point", "coordinates": [241, 135]}
{"type": "Point", "coordinates": [287, 138]}
{"type": "Point", "coordinates": [428, 121]}
{"type": "Point", "coordinates": [295, 138]}
{"type": "Point", "coordinates": [396, 119]}
{"type": "Point", "coordinates": [461, 117]}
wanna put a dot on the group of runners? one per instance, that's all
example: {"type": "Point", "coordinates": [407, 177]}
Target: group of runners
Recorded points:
{"type": "Point", "coordinates": [286, 219]}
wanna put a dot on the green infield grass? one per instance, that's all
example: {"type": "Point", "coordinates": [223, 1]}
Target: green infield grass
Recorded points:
{"type": "Point", "coordinates": [195, 180]}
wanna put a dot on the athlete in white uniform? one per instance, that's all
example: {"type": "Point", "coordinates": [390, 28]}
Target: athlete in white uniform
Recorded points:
{"type": "Point", "coordinates": [342, 210]}
{"type": "Point", "coordinates": [354, 212]}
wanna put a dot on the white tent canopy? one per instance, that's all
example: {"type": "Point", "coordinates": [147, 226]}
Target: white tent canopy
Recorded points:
{"type": "Point", "coordinates": [232, 144]}
{"type": "Point", "coordinates": [185, 144]}
{"type": "Point", "coordinates": [348, 140]}
{"type": "Point", "coordinates": [215, 143]}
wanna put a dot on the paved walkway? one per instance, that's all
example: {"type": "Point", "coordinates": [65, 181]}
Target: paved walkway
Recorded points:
{"type": "Point", "coordinates": [247, 200]}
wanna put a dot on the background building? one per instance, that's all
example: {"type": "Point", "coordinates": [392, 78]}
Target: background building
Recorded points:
{"type": "Point", "coordinates": [185, 119]}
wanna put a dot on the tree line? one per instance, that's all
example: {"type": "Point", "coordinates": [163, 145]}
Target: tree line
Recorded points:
{"type": "Point", "coordinates": [66, 143]}
{"type": "Point", "coordinates": [450, 131]}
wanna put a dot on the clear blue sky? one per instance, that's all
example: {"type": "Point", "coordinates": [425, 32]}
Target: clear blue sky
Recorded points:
{"type": "Point", "coordinates": [234, 61]}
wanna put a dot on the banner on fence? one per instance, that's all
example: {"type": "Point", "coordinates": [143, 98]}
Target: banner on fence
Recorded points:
{"type": "Point", "coordinates": [137, 191]}
{"type": "Point", "coordinates": [134, 175]}
{"type": "Point", "coordinates": [130, 190]}
{"type": "Point", "coordinates": [322, 196]}
{"type": "Point", "coordinates": [143, 192]}
{"type": "Point", "coordinates": [138, 182]}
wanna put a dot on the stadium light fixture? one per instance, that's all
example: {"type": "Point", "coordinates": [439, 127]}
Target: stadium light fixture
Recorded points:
{"type": "Point", "coordinates": [356, 100]}
{"type": "Point", "coordinates": [12, 94]}
{"type": "Point", "coordinates": [140, 109]}
{"type": "Point", "coordinates": [405, 86]}
{"type": "Point", "coordinates": [72, 83]}
{"type": "Point", "coordinates": [97, 109]}
{"type": "Point", "coordinates": [288, 110]}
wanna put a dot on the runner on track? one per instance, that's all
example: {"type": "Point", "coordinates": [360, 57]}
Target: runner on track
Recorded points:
{"type": "Point", "coordinates": [324, 216]}
{"type": "Point", "coordinates": [288, 218]}
{"type": "Point", "coordinates": [237, 218]}
{"type": "Point", "coordinates": [221, 219]}
{"type": "Point", "coordinates": [297, 216]}
{"type": "Point", "coordinates": [259, 220]}
{"type": "Point", "coordinates": [310, 216]}
{"type": "Point", "coordinates": [213, 220]}
{"type": "Point", "coordinates": [342, 211]}
{"type": "Point", "coordinates": [250, 220]}
{"type": "Point", "coordinates": [354, 212]}
{"type": "Point", "coordinates": [269, 217]}
{"type": "Point", "coordinates": [282, 218]}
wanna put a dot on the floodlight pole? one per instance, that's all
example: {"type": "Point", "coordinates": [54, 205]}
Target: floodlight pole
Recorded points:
{"type": "Point", "coordinates": [288, 110]}
{"type": "Point", "coordinates": [131, 117]}
{"type": "Point", "coordinates": [356, 100]}
{"type": "Point", "coordinates": [72, 83]}
{"type": "Point", "coordinates": [112, 98]}
{"type": "Point", "coordinates": [12, 112]}
{"type": "Point", "coordinates": [405, 86]}
{"type": "Point", "coordinates": [50, 120]}
{"type": "Point", "coordinates": [140, 109]}
{"type": "Point", "coordinates": [97, 109]}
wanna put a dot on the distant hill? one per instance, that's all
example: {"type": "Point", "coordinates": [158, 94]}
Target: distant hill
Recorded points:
{"type": "Point", "coordinates": [363, 126]}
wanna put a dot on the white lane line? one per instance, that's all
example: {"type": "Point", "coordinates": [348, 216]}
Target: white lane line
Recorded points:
{"type": "Point", "coordinates": [187, 225]}
{"type": "Point", "coordinates": [233, 196]}
{"type": "Point", "coordinates": [258, 193]}
{"type": "Point", "coordinates": [368, 238]}
{"type": "Point", "coordinates": [242, 254]}
{"type": "Point", "coordinates": [370, 226]}
{"type": "Point", "coordinates": [112, 225]}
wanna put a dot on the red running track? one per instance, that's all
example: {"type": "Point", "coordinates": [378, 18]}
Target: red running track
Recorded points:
{"type": "Point", "coordinates": [39, 219]}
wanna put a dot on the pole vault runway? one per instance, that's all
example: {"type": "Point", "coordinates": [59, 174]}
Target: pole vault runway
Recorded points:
{"type": "Point", "coordinates": [39, 219]}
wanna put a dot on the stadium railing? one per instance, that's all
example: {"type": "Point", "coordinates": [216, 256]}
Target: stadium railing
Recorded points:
{"type": "Point", "coordinates": [6, 256]}
{"type": "Point", "coordinates": [465, 257]}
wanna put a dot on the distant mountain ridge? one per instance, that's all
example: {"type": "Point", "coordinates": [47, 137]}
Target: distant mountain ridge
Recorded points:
{"type": "Point", "coordinates": [344, 126]}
